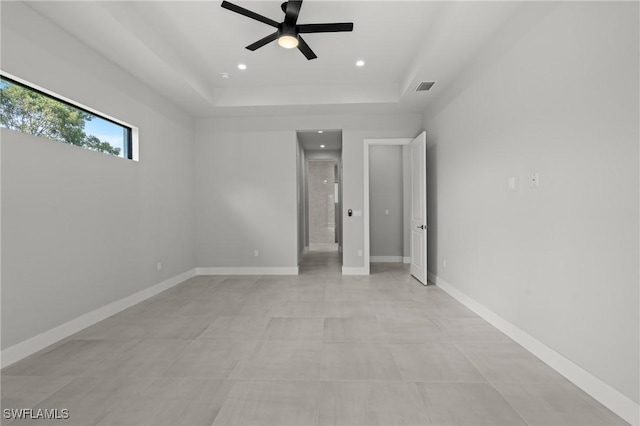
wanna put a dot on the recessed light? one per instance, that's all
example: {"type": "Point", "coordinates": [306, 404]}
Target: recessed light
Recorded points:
{"type": "Point", "coordinates": [321, 146]}
{"type": "Point", "coordinates": [242, 67]}
{"type": "Point", "coordinates": [320, 131]}
{"type": "Point", "coordinates": [224, 75]}
{"type": "Point", "coordinates": [360, 63]}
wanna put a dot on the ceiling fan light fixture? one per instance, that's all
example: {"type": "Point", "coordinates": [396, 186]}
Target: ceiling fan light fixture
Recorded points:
{"type": "Point", "coordinates": [288, 41]}
{"type": "Point", "coordinates": [287, 31]}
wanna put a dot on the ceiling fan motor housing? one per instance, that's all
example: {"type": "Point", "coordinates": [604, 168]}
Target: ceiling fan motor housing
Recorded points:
{"type": "Point", "coordinates": [287, 30]}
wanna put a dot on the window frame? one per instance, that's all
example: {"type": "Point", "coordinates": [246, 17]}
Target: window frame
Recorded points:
{"type": "Point", "coordinates": [130, 146]}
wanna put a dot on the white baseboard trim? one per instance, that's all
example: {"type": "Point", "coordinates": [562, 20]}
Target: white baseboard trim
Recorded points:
{"type": "Point", "coordinates": [406, 260]}
{"type": "Point", "coordinates": [385, 259]}
{"type": "Point", "coordinates": [361, 270]}
{"type": "Point", "coordinates": [32, 345]}
{"type": "Point", "coordinates": [614, 400]}
{"type": "Point", "coordinates": [248, 271]}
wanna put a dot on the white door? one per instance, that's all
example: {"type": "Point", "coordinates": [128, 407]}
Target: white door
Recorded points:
{"type": "Point", "coordinates": [419, 208]}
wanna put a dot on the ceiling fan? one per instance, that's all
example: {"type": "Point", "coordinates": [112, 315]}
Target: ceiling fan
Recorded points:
{"type": "Point", "coordinates": [288, 32]}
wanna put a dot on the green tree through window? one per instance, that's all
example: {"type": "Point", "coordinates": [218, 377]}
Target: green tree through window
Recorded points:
{"type": "Point", "coordinates": [30, 111]}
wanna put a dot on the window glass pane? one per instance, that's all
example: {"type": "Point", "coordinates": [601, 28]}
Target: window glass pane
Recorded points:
{"type": "Point", "coordinates": [107, 132]}
{"type": "Point", "coordinates": [30, 111]}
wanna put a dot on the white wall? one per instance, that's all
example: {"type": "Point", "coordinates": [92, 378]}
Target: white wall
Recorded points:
{"type": "Point", "coordinates": [386, 189]}
{"type": "Point", "coordinates": [82, 229]}
{"type": "Point", "coordinates": [558, 96]}
{"type": "Point", "coordinates": [241, 145]}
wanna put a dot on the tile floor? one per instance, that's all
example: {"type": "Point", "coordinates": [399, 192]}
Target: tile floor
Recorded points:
{"type": "Point", "coordinates": [315, 349]}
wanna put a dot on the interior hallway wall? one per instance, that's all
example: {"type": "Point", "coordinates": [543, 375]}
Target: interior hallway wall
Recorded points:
{"type": "Point", "coordinates": [555, 94]}
{"type": "Point", "coordinates": [322, 223]}
{"type": "Point", "coordinates": [386, 199]}
{"type": "Point", "coordinates": [303, 239]}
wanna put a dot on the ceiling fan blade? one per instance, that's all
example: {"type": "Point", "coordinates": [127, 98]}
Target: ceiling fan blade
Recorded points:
{"type": "Point", "coordinates": [305, 49]}
{"type": "Point", "coordinates": [258, 44]}
{"type": "Point", "coordinates": [292, 12]}
{"type": "Point", "coordinates": [325, 28]}
{"type": "Point", "coordinates": [249, 14]}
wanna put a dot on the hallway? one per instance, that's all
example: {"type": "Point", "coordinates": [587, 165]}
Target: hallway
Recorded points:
{"type": "Point", "coordinates": [315, 349]}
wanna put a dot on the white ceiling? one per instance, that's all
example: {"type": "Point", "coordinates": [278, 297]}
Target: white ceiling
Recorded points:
{"type": "Point", "coordinates": [313, 141]}
{"type": "Point", "coordinates": [180, 48]}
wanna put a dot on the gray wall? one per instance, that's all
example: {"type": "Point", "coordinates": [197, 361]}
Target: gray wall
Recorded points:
{"type": "Point", "coordinates": [322, 208]}
{"type": "Point", "coordinates": [301, 198]}
{"type": "Point", "coordinates": [556, 95]}
{"type": "Point", "coordinates": [406, 199]}
{"type": "Point", "coordinates": [82, 229]}
{"type": "Point", "coordinates": [246, 199]}
{"type": "Point", "coordinates": [386, 186]}
{"type": "Point", "coordinates": [244, 144]}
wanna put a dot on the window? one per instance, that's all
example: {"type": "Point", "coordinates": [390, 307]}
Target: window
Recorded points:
{"type": "Point", "coordinates": [30, 110]}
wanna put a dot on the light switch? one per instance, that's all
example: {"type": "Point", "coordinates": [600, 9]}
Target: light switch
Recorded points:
{"type": "Point", "coordinates": [357, 213]}
{"type": "Point", "coordinates": [386, 212]}
{"type": "Point", "coordinates": [511, 182]}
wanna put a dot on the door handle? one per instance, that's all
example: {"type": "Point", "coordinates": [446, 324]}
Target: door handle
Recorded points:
{"type": "Point", "coordinates": [422, 227]}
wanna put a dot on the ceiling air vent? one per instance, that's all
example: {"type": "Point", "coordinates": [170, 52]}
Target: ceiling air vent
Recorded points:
{"type": "Point", "coordinates": [424, 86]}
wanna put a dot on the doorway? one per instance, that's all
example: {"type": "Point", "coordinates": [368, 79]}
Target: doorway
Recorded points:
{"type": "Point", "coordinates": [319, 163]}
{"type": "Point", "coordinates": [395, 204]}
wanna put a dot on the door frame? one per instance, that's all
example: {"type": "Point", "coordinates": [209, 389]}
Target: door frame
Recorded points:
{"type": "Point", "coordinates": [365, 214]}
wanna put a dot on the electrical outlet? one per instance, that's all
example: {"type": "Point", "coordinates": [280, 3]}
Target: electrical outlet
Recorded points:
{"type": "Point", "coordinates": [535, 180]}
{"type": "Point", "coordinates": [159, 266]}
{"type": "Point", "coordinates": [256, 253]}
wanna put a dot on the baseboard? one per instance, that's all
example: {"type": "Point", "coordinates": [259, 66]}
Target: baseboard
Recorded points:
{"type": "Point", "coordinates": [617, 402]}
{"type": "Point", "coordinates": [248, 271]}
{"type": "Point", "coordinates": [32, 345]}
{"type": "Point", "coordinates": [362, 270]}
{"type": "Point", "coordinates": [385, 259]}
{"type": "Point", "coordinates": [406, 260]}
